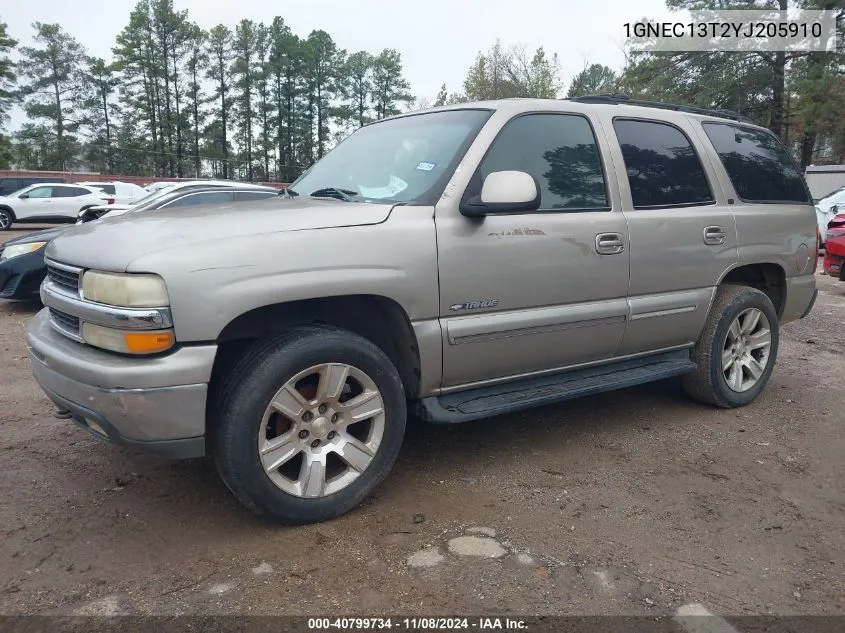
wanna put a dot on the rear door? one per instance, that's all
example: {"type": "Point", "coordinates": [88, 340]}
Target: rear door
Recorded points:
{"type": "Point", "coordinates": [682, 231]}
{"type": "Point", "coordinates": [68, 200]}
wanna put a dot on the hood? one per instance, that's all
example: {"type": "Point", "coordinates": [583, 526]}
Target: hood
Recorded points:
{"type": "Point", "coordinates": [112, 243]}
{"type": "Point", "coordinates": [39, 236]}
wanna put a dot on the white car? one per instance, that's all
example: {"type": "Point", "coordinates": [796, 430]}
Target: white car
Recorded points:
{"type": "Point", "coordinates": [827, 207]}
{"type": "Point", "coordinates": [115, 209]}
{"type": "Point", "coordinates": [49, 202]}
{"type": "Point", "coordinates": [123, 192]}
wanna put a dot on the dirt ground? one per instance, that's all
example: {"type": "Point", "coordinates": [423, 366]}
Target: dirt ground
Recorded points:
{"type": "Point", "coordinates": [634, 502]}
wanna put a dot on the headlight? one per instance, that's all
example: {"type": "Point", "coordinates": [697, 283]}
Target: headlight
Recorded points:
{"type": "Point", "coordinates": [21, 249]}
{"type": "Point", "coordinates": [127, 342]}
{"type": "Point", "coordinates": [126, 290]}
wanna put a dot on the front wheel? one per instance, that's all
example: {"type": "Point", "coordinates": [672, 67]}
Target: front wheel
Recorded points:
{"type": "Point", "coordinates": [309, 422]}
{"type": "Point", "coordinates": [736, 352]}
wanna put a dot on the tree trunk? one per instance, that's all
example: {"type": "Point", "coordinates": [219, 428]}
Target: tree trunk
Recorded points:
{"type": "Point", "coordinates": [279, 127]}
{"type": "Point", "coordinates": [223, 122]}
{"type": "Point", "coordinates": [60, 127]}
{"type": "Point", "coordinates": [178, 119]}
{"type": "Point", "coordinates": [778, 85]}
{"type": "Point", "coordinates": [109, 164]}
{"type": "Point", "coordinates": [808, 144]}
{"type": "Point", "coordinates": [779, 81]}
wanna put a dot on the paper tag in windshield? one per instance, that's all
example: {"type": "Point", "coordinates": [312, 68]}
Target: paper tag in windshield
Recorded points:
{"type": "Point", "coordinates": [396, 185]}
{"type": "Point", "coordinates": [426, 166]}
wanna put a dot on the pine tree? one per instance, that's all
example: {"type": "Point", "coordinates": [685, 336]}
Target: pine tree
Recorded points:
{"type": "Point", "coordinates": [220, 56]}
{"type": "Point", "coordinates": [389, 86]}
{"type": "Point", "coordinates": [54, 93]}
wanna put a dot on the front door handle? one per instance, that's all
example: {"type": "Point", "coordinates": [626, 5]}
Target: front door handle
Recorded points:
{"type": "Point", "coordinates": [610, 243]}
{"type": "Point", "coordinates": [714, 235]}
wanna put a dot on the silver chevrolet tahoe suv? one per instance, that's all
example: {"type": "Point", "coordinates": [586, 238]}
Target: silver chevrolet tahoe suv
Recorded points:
{"type": "Point", "coordinates": [457, 263]}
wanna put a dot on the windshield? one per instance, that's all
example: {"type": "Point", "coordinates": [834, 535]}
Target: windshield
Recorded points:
{"type": "Point", "coordinates": [405, 160]}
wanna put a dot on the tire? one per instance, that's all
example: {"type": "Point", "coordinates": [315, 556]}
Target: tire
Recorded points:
{"type": "Point", "coordinates": [710, 382]}
{"type": "Point", "coordinates": [243, 419]}
{"type": "Point", "coordinates": [7, 218]}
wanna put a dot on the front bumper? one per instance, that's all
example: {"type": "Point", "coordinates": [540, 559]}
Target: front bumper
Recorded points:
{"type": "Point", "coordinates": [156, 404]}
{"type": "Point", "coordinates": [21, 276]}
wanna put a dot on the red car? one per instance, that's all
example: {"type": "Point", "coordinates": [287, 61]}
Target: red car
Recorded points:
{"type": "Point", "coordinates": [834, 253]}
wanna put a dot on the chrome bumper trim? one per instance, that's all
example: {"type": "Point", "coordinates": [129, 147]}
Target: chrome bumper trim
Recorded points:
{"type": "Point", "coordinates": [110, 316]}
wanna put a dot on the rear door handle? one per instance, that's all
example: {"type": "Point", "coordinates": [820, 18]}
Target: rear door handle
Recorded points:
{"type": "Point", "coordinates": [610, 243]}
{"type": "Point", "coordinates": [715, 235]}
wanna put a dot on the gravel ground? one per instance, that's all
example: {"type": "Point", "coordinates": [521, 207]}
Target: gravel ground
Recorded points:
{"type": "Point", "coordinates": [635, 502]}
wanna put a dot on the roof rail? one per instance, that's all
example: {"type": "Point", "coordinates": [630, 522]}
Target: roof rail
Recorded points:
{"type": "Point", "coordinates": [617, 98]}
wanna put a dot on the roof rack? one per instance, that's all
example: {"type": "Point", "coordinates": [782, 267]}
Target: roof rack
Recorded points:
{"type": "Point", "coordinates": [617, 98]}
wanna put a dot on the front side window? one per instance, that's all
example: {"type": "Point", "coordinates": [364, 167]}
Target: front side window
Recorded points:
{"type": "Point", "coordinates": [759, 167]}
{"type": "Point", "coordinates": [40, 192]}
{"type": "Point", "coordinates": [195, 199]}
{"type": "Point", "coordinates": [408, 159]}
{"type": "Point", "coordinates": [560, 151]}
{"type": "Point", "coordinates": [662, 166]}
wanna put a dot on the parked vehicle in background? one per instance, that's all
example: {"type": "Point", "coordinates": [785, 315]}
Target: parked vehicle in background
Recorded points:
{"type": "Point", "coordinates": [49, 202]}
{"type": "Point", "coordinates": [11, 184]}
{"type": "Point", "coordinates": [827, 207]}
{"type": "Point", "coordinates": [22, 263]}
{"type": "Point", "coordinates": [834, 253]}
{"type": "Point", "coordinates": [465, 261]}
{"type": "Point", "coordinates": [22, 267]}
{"type": "Point", "coordinates": [822, 179]}
{"type": "Point", "coordinates": [155, 186]}
{"type": "Point", "coordinates": [836, 222]}
{"type": "Point", "coordinates": [122, 192]}
{"type": "Point", "coordinates": [154, 200]}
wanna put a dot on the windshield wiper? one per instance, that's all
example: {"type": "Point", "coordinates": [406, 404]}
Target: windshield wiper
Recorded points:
{"type": "Point", "coordinates": [288, 192]}
{"type": "Point", "coordinates": [335, 192]}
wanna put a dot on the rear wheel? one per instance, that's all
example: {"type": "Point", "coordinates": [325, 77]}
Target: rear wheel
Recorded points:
{"type": "Point", "coordinates": [309, 423]}
{"type": "Point", "coordinates": [736, 352]}
{"type": "Point", "coordinates": [6, 219]}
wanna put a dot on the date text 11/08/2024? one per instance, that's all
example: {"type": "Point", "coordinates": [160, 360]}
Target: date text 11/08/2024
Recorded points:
{"type": "Point", "coordinates": [417, 624]}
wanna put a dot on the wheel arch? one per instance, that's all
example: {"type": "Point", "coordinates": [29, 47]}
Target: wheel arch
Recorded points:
{"type": "Point", "coordinates": [5, 207]}
{"type": "Point", "coordinates": [379, 319]}
{"type": "Point", "coordinates": [767, 277]}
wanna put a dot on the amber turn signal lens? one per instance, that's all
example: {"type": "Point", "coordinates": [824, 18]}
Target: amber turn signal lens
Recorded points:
{"type": "Point", "coordinates": [148, 342]}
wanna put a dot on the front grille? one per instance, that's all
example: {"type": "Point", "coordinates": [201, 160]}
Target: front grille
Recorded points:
{"type": "Point", "coordinates": [64, 278]}
{"type": "Point", "coordinates": [65, 321]}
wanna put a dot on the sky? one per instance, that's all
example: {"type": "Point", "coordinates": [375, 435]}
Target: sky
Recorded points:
{"type": "Point", "coordinates": [438, 39]}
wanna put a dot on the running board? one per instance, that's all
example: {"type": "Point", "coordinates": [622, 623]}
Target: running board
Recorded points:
{"type": "Point", "coordinates": [484, 402]}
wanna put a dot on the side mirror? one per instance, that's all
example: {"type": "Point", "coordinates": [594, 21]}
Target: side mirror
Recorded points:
{"type": "Point", "coordinates": [504, 192]}
{"type": "Point", "coordinates": [23, 196]}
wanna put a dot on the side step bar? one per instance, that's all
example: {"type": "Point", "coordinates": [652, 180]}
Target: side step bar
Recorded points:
{"type": "Point", "coordinates": [484, 402]}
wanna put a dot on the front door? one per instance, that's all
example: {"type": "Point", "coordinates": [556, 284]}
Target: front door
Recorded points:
{"type": "Point", "coordinates": [534, 292]}
{"type": "Point", "coordinates": [37, 203]}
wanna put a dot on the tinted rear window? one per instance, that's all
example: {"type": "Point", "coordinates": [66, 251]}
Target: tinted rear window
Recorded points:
{"type": "Point", "coordinates": [663, 168]}
{"type": "Point", "coordinates": [69, 192]}
{"type": "Point", "coordinates": [759, 167]}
